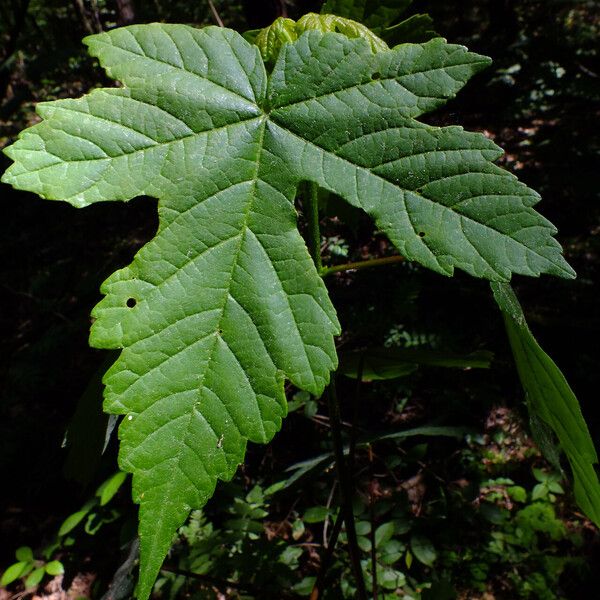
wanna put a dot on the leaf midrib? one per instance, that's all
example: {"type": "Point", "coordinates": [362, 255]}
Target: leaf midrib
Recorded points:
{"type": "Point", "coordinates": [146, 148]}
{"type": "Point", "coordinates": [242, 234]}
{"type": "Point", "coordinates": [173, 483]}
{"type": "Point", "coordinates": [177, 459]}
{"type": "Point", "coordinates": [380, 81]}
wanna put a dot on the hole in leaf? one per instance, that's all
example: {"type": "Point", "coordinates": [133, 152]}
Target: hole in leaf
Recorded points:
{"type": "Point", "coordinates": [131, 302]}
{"type": "Point", "coordinates": [376, 76]}
{"type": "Point", "coordinates": [421, 234]}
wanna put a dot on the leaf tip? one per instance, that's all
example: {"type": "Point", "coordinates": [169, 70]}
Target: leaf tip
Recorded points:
{"type": "Point", "coordinates": [91, 40]}
{"type": "Point", "coordinates": [560, 267]}
{"type": "Point", "coordinates": [7, 178]}
{"type": "Point", "coordinates": [568, 271]}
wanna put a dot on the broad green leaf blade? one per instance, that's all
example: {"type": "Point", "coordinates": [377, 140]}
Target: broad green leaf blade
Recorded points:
{"type": "Point", "coordinates": [35, 577]}
{"type": "Point", "coordinates": [13, 572]}
{"type": "Point", "coordinates": [390, 363]}
{"type": "Point", "coordinates": [75, 518]}
{"type": "Point", "coordinates": [110, 487]}
{"type": "Point", "coordinates": [550, 397]}
{"type": "Point", "coordinates": [270, 39]}
{"type": "Point", "coordinates": [334, 23]}
{"type": "Point", "coordinates": [311, 467]}
{"type": "Point", "coordinates": [373, 13]}
{"type": "Point", "coordinates": [224, 303]}
{"type": "Point", "coordinates": [423, 549]}
{"type": "Point", "coordinates": [544, 437]}
{"type": "Point", "coordinates": [55, 567]}
{"type": "Point", "coordinates": [113, 144]}
{"type": "Point", "coordinates": [24, 553]}
{"type": "Point", "coordinates": [345, 118]}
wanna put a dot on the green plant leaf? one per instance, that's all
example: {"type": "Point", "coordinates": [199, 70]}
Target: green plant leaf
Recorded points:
{"type": "Point", "coordinates": [550, 397]}
{"type": "Point", "coordinates": [363, 527]}
{"type": "Point", "coordinates": [55, 567]}
{"type": "Point", "coordinates": [384, 533]}
{"type": "Point", "coordinates": [110, 487]}
{"type": "Point", "coordinates": [34, 578]}
{"type": "Point", "coordinates": [305, 586]}
{"type": "Point", "coordinates": [517, 493]}
{"type": "Point", "coordinates": [225, 303]}
{"type": "Point", "coordinates": [24, 553]}
{"type": "Point", "coordinates": [545, 439]}
{"type": "Point", "coordinates": [364, 543]}
{"type": "Point", "coordinates": [282, 31]}
{"type": "Point", "coordinates": [74, 519]}
{"type": "Point", "coordinates": [434, 191]}
{"type": "Point", "coordinates": [423, 549]}
{"type": "Point", "coordinates": [426, 430]}
{"type": "Point", "coordinates": [227, 300]}
{"type": "Point", "coordinates": [13, 572]}
{"type": "Point", "coordinates": [306, 468]}
{"type": "Point", "coordinates": [315, 514]}
{"type": "Point", "coordinates": [391, 363]}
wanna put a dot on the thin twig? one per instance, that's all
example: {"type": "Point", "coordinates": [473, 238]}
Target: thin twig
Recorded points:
{"type": "Point", "coordinates": [96, 16]}
{"type": "Point", "coordinates": [327, 557]}
{"type": "Point", "coordinates": [363, 264]}
{"type": "Point", "coordinates": [282, 9]}
{"type": "Point", "coordinates": [326, 521]}
{"type": "Point", "coordinates": [345, 490]}
{"type": "Point", "coordinates": [351, 457]}
{"type": "Point", "coordinates": [330, 545]}
{"type": "Point", "coordinates": [373, 544]}
{"type": "Point", "coordinates": [355, 407]}
{"type": "Point", "coordinates": [587, 71]}
{"type": "Point", "coordinates": [216, 14]}
{"type": "Point", "coordinates": [324, 420]}
{"type": "Point", "coordinates": [88, 25]}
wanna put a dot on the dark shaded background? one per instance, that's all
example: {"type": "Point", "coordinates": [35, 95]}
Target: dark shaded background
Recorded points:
{"type": "Point", "coordinates": [540, 100]}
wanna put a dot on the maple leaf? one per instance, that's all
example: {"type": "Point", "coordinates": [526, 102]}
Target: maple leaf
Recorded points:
{"type": "Point", "coordinates": [224, 304]}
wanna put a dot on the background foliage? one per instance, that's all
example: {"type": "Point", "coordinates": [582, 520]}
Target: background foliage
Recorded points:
{"type": "Point", "coordinates": [477, 512]}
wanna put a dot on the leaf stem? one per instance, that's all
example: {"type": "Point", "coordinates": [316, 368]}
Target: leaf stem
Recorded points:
{"type": "Point", "coordinates": [311, 209]}
{"type": "Point", "coordinates": [363, 264]}
{"type": "Point", "coordinates": [372, 537]}
{"type": "Point", "coordinates": [345, 489]}
{"type": "Point", "coordinates": [327, 557]}
{"type": "Point", "coordinates": [337, 527]}
{"type": "Point", "coordinates": [355, 407]}
{"type": "Point", "coordinates": [215, 14]}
